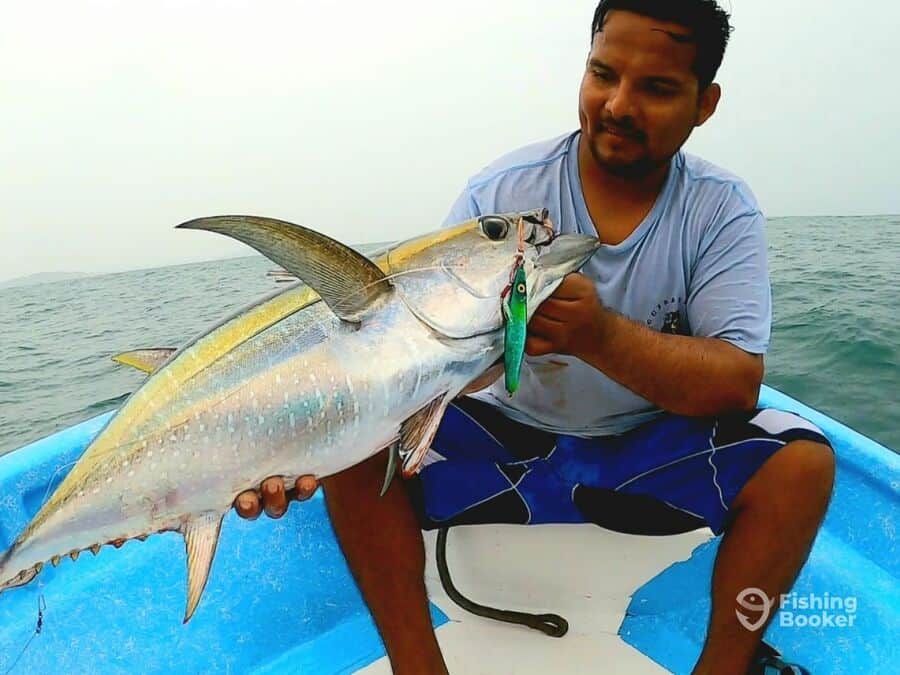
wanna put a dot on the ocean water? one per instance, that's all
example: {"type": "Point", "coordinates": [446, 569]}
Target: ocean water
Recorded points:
{"type": "Point", "coordinates": [835, 346]}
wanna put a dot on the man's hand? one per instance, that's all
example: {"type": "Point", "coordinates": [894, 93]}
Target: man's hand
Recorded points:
{"type": "Point", "coordinates": [273, 498]}
{"type": "Point", "coordinates": [687, 375]}
{"type": "Point", "coordinates": [570, 321]}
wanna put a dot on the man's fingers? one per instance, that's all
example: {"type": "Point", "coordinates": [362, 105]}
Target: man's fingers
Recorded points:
{"type": "Point", "coordinates": [305, 487]}
{"type": "Point", "coordinates": [247, 505]}
{"type": "Point", "coordinates": [274, 498]}
{"type": "Point", "coordinates": [542, 336]}
{"type": "Point", "coordinates": [538, 346]}
{"type": "Point", "coordinates": [559, 310]}
{"type": "Point", "coordinates": [573, 286]}
{"type": "Point", "coordinates": [541, 326]}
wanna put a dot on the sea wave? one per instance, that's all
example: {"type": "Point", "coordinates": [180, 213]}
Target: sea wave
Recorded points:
{"type": "Point", "coordinates": [835, 342]}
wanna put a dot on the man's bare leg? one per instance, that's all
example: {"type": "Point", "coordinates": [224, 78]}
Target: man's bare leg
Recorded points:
{"type": "Point", "coordinates": [777, 515]}
{"type": "Point", "coordinates": [382, 542]}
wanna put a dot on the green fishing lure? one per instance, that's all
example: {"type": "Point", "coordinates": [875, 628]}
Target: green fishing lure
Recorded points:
{"type": "Point", "coordinates": [515, 311]}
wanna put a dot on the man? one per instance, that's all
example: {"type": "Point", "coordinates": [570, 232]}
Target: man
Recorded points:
{"type": "Point", "coordinates": [643, 371]}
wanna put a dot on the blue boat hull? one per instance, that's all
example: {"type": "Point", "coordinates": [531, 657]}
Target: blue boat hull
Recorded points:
{"type": "Point", "coordinates": [281, 599]}
{"type": "Point", "coordinates": [856, 555]}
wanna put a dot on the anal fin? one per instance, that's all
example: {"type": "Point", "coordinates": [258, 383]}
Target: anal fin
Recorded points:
{"type": "Point", "coordinates": [201, 535]}
{"type": "Point", "coordinates": [393, 460]}
{"type": "Point", "coordinates": [417, 433]}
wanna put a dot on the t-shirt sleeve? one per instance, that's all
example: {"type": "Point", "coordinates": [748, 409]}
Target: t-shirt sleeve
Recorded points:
{"type": "Point", "coordinates": [730, 297]}
{"type": "Point", "coordinates": [464, 208]}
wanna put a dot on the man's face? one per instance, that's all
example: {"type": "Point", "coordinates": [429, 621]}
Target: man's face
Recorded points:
{"type": "Point", "coordinates": [640, 98]}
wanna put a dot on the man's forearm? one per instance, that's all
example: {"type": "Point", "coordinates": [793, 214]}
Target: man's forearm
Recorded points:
{"type": "Point", "coordinates": [694, 376]}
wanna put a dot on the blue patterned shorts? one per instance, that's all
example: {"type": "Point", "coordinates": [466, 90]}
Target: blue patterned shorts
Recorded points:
{"type": "Point", "coordinates": [670, 475]}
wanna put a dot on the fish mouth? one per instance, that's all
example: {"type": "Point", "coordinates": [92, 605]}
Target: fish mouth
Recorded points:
{"type": "Point", "coordinates": [566, 253]}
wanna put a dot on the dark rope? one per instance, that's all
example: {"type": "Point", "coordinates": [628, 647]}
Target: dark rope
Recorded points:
{"type": "Point", "coordinates": [549, 624]}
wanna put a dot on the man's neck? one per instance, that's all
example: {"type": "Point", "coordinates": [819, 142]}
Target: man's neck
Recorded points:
{"type": "Point", "coordinates": [617, 205]}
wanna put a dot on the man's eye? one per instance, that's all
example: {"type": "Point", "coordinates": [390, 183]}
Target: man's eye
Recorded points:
{"type": "Point", "coordinates": [661, 90]}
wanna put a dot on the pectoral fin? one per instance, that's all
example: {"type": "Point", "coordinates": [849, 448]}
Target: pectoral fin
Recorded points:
{"type": "Point", "coordinates": [348, 282]}
{"type": "Point", "coordinates": [146, 360]}
{"type": "Point", "coordinates": [417, 433]}
{"type": "Point", "coordinates": [484, 380]}
{"type": "Point", "coordinates": [200, 538]}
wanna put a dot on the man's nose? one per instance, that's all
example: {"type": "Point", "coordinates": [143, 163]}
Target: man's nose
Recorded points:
{"type": "Point", "coordinates": [621, 102]}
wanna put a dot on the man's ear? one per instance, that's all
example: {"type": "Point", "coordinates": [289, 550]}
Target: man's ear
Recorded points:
{"type": "Point", "coordinates": [709, 100]}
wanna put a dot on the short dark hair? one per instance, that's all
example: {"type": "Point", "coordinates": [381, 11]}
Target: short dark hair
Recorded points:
{"type": "Point", "coordinates": [707, 22]}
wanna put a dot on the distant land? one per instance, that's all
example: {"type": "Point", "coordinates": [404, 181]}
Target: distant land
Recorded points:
{"type": "Point", "coordinates": [50, 277]}
{"type": "Point", "coordinates": [42, 278]}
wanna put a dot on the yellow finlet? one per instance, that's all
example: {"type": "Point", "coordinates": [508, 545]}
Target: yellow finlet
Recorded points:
{"type": "Point", "coordinates": [145, 360]}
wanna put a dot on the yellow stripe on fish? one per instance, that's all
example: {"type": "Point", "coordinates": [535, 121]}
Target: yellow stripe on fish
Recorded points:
{"type": "Point", "coordinates": [160, 387]}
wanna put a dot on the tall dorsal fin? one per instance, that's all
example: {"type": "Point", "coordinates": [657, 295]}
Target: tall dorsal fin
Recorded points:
{"type": "Point", "coordinates": [348, 282]}
{"type": "Point", "coordinates": [147, 360]}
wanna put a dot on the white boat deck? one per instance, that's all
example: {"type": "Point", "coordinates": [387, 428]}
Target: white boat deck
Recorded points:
{"type": "Point", "coordinates": [582, 572]}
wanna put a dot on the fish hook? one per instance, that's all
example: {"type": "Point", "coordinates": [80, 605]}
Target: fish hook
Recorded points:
{"type": "Point", "coordinates": [39, 626]}
{"type": "Point", "coordinates": [519, 258]}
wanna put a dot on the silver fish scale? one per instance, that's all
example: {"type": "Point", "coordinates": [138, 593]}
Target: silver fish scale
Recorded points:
{"type": "Point", "coordinates": [319, 409]}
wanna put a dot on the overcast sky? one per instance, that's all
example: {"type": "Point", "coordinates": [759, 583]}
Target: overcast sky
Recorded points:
{"type": "Point", "coordinates": [119, 120]}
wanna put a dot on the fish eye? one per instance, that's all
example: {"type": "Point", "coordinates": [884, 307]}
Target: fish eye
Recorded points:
{"type": "Point", "coordinates": [494, 227]}
{"type": "Point", "coordinates": [520, 288]}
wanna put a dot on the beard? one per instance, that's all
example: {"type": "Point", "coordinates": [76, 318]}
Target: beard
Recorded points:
{"type": "Point", "coordinates": [640, 167]}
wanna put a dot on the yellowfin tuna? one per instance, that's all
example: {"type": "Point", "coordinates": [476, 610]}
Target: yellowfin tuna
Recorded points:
{"type": "Point", "coordinates": [310, 380]}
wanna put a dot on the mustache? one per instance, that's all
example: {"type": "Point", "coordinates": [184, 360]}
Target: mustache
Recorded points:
{"type": "Point", "coordinates": [623, 127]}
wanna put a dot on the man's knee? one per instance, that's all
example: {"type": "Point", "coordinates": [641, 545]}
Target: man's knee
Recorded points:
{"type": "Point", "coordinates": [801, 471]}
{"type": "Point", "coordinates": [811, 465]}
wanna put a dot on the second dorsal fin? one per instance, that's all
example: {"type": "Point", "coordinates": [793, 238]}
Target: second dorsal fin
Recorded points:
{"type": "Point", "coordinates": [147, 360]}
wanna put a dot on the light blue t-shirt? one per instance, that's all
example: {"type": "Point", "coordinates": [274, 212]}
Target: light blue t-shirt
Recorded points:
{"type": "Point", "coordinates": [696, 265]}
